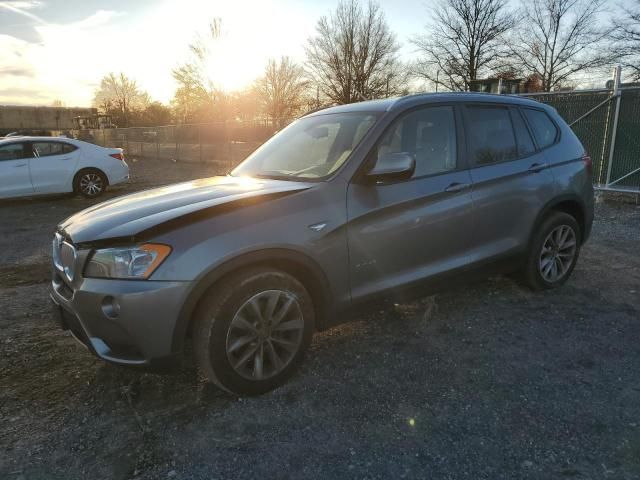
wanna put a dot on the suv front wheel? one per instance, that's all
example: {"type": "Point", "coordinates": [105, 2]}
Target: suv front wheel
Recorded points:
{"type": "Point", "coordinates": [554, 252]}
{"type": "Point", "coordinates": [252, 330]}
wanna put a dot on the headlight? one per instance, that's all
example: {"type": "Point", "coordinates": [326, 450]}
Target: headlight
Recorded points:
{"type": "Point", "coordinates": [137, 262]}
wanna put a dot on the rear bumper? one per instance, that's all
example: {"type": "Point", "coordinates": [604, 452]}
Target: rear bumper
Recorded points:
{"type": "Point", "coordinates": [119, 321]}
{"type": "Point", "coordinates": [119, 175]}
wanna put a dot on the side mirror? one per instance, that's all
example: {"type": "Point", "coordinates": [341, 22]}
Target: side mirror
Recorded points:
{"type": "Point", "coordinates": [393, 167]}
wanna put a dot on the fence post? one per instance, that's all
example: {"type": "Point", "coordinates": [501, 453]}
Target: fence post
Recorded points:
{"type": "Point", "coordinates": [175, 137]}
{"type": "Point", "coordinates": [617, 93]}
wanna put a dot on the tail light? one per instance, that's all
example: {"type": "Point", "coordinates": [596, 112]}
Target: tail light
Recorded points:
{"type": "Point", "coordinates": [586, 159]}
{"type": "Point", "coordinates": [118, 156]}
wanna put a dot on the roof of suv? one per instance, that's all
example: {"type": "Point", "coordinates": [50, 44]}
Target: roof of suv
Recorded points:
{"type": "Point", "coordinates": [400, 103]}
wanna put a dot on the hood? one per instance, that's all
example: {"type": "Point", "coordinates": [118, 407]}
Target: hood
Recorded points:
{"type": "Point", "coordinates": [132, 214]}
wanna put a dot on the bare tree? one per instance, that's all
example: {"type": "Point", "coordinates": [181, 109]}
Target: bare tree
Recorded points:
{"type": "Point", "coordinates": [353, 55]}
{"type": "Point", "coordinates": [465, 43]}
{"type": "Point", "coordinates": [281, 89]}
{"type": "Point", "coordinates": [626, 35]}
{"type": "Point", "coordinates": [199, 96]}
{"type": "Point", "coordinates": [119, 95]}
{"type": "Point", "coordinates": [560, 39]}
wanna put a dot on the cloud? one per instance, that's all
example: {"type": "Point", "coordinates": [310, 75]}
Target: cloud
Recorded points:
{"type": "Point", "coordinates": [22, 4]}
{"type": "Point", "coordinates": [23, 96]}
{"type": "Point", "coordinates": [22, 7]}
{"type": "Point", "coordinates": [64, 64]}
{"type": "Point", "coordinates": [17, 71]}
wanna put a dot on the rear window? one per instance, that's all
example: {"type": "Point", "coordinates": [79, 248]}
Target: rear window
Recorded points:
{"type": "Point", "coordinates": [490, 135]}
{"type": "Point", "coordinates": [544, 130]}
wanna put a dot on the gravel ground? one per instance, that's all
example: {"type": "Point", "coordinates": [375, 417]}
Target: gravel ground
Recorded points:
{"type": "Point", "coordinates": [486, 381]}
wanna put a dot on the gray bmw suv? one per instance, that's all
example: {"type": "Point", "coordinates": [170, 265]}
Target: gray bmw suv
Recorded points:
{"type": "Point", "coordinates": [343, 206]}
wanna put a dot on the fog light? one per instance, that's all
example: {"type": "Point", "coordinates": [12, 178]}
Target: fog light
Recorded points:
{"type": "Point", "coordinates": [110, 307]}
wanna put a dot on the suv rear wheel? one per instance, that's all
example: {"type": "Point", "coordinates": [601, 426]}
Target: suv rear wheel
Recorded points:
{"type": "Point", "coordinates": [252, 330]}
{"type": "Point", "coordinates": [554, 252]}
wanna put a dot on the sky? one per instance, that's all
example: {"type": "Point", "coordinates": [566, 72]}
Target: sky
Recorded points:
{"type": "Point", "coordinates": [60, 49]}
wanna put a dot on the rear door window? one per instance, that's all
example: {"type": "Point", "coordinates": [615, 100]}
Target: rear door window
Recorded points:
{"type": "Point", "coordinates": [47, 149]}
{"type": "Point", "coordinates": [544, 130]}
{"type": "Point", "coordinates": [523, 137]}
{"type": "Point", "coordinates": [490, 135]}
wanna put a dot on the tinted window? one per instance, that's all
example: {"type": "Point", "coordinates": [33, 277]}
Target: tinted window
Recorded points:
{"type": "Point", "coordinates": [68, 148]}
{"type": "Point", "coordinates": [429, 135]}
{"type": "Point", "coordinates": [544, 130]}
{"type": "Point", "coordinates": [45, 149]}
{"type": "Point", "coordinates": [490, 135]}
{"type": "Point", "coordinates": [13, 151]}
{"type": "Point", "coordinates": [525, 143]}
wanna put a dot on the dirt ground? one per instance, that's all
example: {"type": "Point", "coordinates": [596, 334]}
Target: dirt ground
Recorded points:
{"type": "Point", "coordinates": [485, 381]}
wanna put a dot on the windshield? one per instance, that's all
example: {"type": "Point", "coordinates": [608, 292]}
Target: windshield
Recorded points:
{"type": "Point", "coordinates": [310, 148]}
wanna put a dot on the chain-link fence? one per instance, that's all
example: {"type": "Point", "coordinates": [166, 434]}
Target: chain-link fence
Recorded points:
{"type": "Point", "coordinates": [590, 115]}
{"type": "Point", "coordinates": [226, 143]}
{"type": "Point", "coordinates": [608, 124]}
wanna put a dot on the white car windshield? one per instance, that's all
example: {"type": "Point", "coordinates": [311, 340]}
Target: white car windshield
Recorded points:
{"type": "Point", "coordinates": [310, 148]}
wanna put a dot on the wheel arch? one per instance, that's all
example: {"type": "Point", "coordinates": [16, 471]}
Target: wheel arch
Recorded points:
{"type": "Point", "coordinates": [570, 204]}
{"type": "Point", "coordinates": [299, 265]}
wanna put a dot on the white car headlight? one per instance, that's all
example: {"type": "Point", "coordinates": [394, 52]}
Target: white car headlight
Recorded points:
{"type": "Point", "coordinates": [137, 262]}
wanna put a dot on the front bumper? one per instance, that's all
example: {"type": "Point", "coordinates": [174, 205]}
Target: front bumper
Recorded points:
{"type": "Point", "coordinates": [121, 321]}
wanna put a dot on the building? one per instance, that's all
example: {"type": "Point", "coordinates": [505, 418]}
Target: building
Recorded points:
{"type": "Point", "coordinates": [39, 120]}
{"type": "Point", "coordinates": [498, 85]}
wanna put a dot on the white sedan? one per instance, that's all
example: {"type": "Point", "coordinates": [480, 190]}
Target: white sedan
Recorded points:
{"type": "Point", "coordinates": [39, 165]}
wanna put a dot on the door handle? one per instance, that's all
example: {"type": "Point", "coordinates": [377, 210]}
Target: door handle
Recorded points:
{"type": "Point", "coordinates": [456, 187]}
{"type": "Point", "coordinates": [537, 167]}
{"type": "Point", "coordinates": [20, 165]}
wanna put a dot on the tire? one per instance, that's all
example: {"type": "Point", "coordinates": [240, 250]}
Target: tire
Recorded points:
{"type": "Point", "coordinates": [560, 237]}
{"type": "Point", "coordinates": [90, 183]}
{"type": "Point", "coordinates": [227, 329]}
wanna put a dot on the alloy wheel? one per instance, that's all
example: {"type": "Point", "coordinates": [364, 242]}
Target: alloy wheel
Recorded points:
{"type": "Point", "coordinates": [558, 253]}
{"type": "Point", "coordinates": [265, 334]}
{"type": "Point", "coordinates": [91, 184]}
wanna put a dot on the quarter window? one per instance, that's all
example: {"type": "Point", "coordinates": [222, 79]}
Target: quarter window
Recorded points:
{"type": "Point", "coordinates": [13, 151]}
{"type": "Point", "coordinates": [68, 148]}
{"type": "Point", "coordinates": [544, 130]}
{"type": "Point", "coordinates": [429, 135]}
{"type": "Point", "coordinates": [490, 135]}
